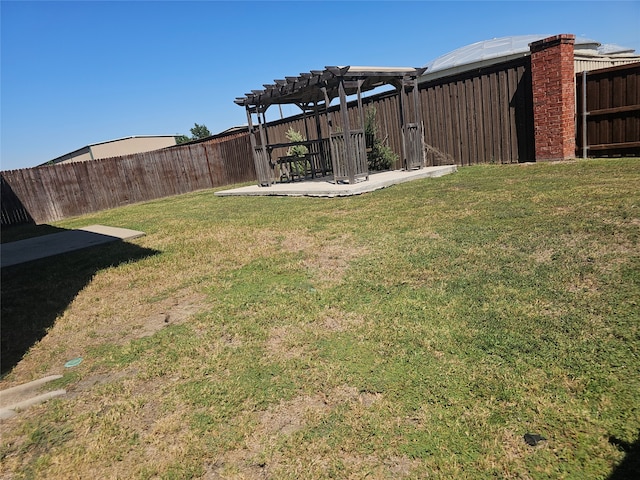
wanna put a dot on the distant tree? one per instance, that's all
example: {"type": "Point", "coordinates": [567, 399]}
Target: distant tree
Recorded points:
{"type": "Point", "coordinates": [198, 132]}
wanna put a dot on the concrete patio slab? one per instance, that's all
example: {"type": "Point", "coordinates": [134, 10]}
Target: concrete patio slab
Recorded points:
{"type": "Point", "coordinates": [323, 187]}
{"type": "Point", "coordinates": [14, 253]}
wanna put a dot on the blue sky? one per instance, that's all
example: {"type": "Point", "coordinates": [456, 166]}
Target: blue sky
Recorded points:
{"type": "Point", "coordinates": [76, 73]}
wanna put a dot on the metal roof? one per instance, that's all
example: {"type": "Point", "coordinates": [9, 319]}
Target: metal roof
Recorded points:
{"type": "Point", "coordinates": [126, 138]}
{"type": "Point", "coordinates": [613, 49]}
{"type": "Point", "coordinates": [496, 49]}
{"type": "Point", "coordinates": [307, 87]}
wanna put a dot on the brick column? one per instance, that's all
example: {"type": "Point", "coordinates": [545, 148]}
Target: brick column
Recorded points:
{"type": "Point", "coordinates": [553, 81]}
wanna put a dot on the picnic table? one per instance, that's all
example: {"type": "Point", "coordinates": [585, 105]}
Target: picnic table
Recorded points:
{"type": "Point", "coordinates": [299, 167]}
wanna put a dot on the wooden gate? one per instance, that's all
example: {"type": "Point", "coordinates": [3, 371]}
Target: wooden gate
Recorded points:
{"type": "Point", "coordinates": [351, 155]}
{"type": "Point", "coordinates": [413, 137]}
{"type": "Point", "coordinates": [608, 112]}
{"type": "Point", "coordinates": [264, 172]}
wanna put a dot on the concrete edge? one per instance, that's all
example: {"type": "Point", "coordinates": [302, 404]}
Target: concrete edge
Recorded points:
{"type": "Point", "coordinates": [16, 407]}
{"type": "Point", "coordinates": [36, 248]}
{"type": "Point", "coordinates": [342, 190]}
{"type": "Point", "coordinates": [116, 232]}
{"type": "Point", "coordinates": [25, 388]}
{"type": "Point", "coordinates": [11, 411]}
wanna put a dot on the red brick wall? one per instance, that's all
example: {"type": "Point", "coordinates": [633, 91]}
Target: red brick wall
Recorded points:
{"type": "Point", "coordinates": [553, 80]}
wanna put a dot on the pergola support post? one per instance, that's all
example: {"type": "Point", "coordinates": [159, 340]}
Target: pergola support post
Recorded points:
{"type": "Point", "coordinates": [348, 147]}
{"type": "Point", "coordinates": [260, 153]}
{"type": "Point", "coordinates": [412, 123]}
{"type": "Point", "coordinates": [362, 164]}
{"type": "Point", "coordinates": [346, 130]}
{"type": "Point", "coordinates": [321, 144]}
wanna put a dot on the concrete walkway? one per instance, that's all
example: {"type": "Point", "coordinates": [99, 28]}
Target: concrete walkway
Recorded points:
{"type": "Point", "coordinates": [14, 253]}
{"type": "Point", "coordinates": [322, 187]}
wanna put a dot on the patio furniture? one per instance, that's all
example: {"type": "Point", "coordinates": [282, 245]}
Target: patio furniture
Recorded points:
{"type": "Point", "coordinates": [298, 167]}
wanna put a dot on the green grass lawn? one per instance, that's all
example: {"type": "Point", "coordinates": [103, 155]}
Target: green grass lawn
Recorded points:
{"type": "Point", "coordinates": [414, 332]}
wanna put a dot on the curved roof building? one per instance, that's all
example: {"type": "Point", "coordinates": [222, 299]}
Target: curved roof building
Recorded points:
{"type": "Point", "coordinates": [587, 52]}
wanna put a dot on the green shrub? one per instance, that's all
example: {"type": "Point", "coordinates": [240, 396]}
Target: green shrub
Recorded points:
{"type": "Point", "coordinates": [296, 150]}
{"type": "Point", "coordinates": [380, 156]}
{"type": "Point", "coordinates": [299, 168]}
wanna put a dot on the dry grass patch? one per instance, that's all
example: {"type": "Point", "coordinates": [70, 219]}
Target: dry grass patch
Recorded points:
{"type": "Point", "coordinates": [136, 300]}
{"type": "Point", "coordinates": [124, 424]}
{"type": "Point", "coordinates": [115, 319]}
{"type": "Point", "coordinates": [326, 259]}
{"type": "Point", "coordinates": [290, 341]}
{"type": "Point", "coordinates": [543, 255]}
{"type": "Point", "coordinates": [336, 320]}
{"type": "Point", "coordinates": [514, 454]}
{"type": "Point", "coordinates": [284, 343]}
{"type": "Point", "coordinates": [261, 454]}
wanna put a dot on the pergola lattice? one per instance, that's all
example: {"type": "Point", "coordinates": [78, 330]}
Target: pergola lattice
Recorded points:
{"type": "Point", "coordinates": [313, 92]}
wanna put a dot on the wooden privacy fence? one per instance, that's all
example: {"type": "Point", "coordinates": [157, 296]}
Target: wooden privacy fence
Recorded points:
{"type": "Point", "coordinates": [481, 116]}
{"type": "Point", "coordinates": [55, 192]}
{"type": "Point", "coordinates": [608, 111]}
{"type": "Point", "coordinates": [13, 212]}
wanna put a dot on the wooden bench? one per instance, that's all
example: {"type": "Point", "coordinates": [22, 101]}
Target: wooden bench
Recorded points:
{"type": "Point", "coordinates": [295, 167]}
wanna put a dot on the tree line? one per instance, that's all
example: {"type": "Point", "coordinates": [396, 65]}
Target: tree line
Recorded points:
{"type": "Point", "coordinates": [198, 132]}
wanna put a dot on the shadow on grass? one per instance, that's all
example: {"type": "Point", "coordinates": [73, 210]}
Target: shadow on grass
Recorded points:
{"type": "Point", "coordinates": [34, 294]}
{"type": "Point", "coordinates": [630, 466]}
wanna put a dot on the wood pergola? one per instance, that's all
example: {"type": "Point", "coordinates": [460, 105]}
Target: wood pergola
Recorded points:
{"type": "Point", "coordinates": [345, 146]}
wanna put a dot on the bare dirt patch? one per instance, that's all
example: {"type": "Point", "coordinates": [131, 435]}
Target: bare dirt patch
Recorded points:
{"type": "Point", "coordinates": [256, 458]}
{"type": "Point", "coordinates": [173, 311]}
{"type": "Point", "coordinates": [289, 417]}
{"type": "Point", "coordinates": [401, 466]}
{"type": "Point", "coordinates": [583, 284]}
{"type": "Point", "coordinates": [326, 259]}
{"type": "Point", "coordinates": [543, 255]}
{"type": "Point", "coordinates": [336, 320]}
{"type": "Point", "coordinates": [282, 343]}
{"type": "Point", "coordinates": [97, 379]}
{"type": "Point", "coordinates": [293, 341]}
